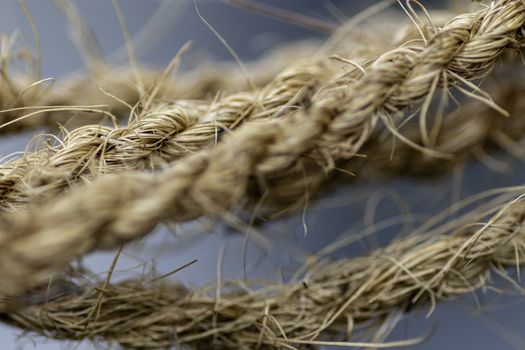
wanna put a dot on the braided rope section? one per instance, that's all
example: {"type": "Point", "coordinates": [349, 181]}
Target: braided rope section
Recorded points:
{"type": "Point", "coordinates": [333, 126]}
{"type": "Point", "coordinates": [164, 133]}
{"type": "Point", "coordinates": [28, 103]}
{"type": "Point", "coordinates": [167, 131]}
{"type": "Point", "coordinates": [332, 299]}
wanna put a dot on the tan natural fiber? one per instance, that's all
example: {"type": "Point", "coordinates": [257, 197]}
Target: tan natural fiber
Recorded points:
{"type": "Point", "coordinates": [165, 132]}
{"type": "Point", "coordinates": [474, 130]}
{"type": "Point", "coordinates": [330, 303]}
{"type": "Point", "coordinates": [17, 89]}
{"type": "Point", "coordinates": [114, 90]}
{"type": "Point", "coordinates": [333, 125]}
{"type": "Point", "coordinates": [209, 78]}
{"type": "Point", "coordinates": [118, 89]}
{"type": "Point", "coordinates": [159, 138]}
{"type": "Point", "coordinates": [83, 99]}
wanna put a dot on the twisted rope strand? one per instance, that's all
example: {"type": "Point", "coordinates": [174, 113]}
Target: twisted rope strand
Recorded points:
{"type": "Point", "coordinates": [339, 120]}
{"type": "Point", "coordinates": [19, 91]}
{"type": "Point", "coordinates": [414, 272]}
{"type": "Point", "coordinates": [165, 133]}
{"type": "Point", "coordinates": [168, 132]}
{"type": "Point", "coordinates": [19, 96]}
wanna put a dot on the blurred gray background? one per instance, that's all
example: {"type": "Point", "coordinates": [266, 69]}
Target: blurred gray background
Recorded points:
{"type": "Point", "coordinates": [497, 324]}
